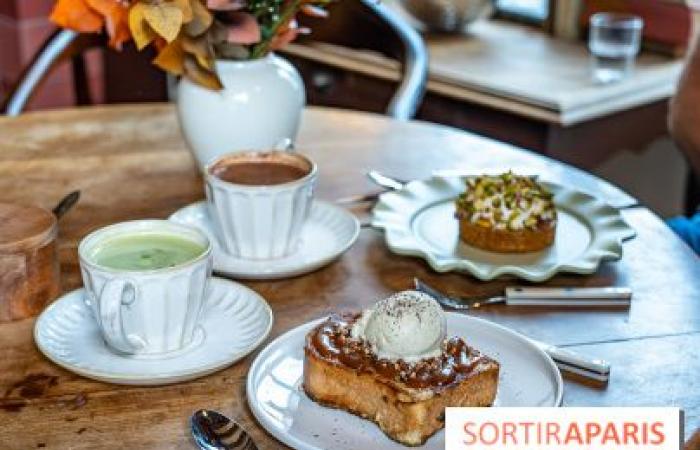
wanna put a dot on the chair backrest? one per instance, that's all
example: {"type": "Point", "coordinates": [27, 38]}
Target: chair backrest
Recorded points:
{"type": "Point", "coordinates": [370, 24]}
{"type": "Point", "coordinates": [61, 46]}
{"type": "Point", "coordinates": [381, 30]}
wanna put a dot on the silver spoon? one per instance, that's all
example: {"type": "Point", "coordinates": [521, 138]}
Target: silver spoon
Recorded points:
{"type": "Point", "coordinates": [214, 431]}
{"type": "Point", "coordinates": [66, 204]}
{"type": "Point", "coordinates": [385, 181]}
{"type": "Point", "coordinates": [381, 180]}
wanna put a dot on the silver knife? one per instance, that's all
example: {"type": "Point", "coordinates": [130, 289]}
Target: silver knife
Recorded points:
{"type": "Point", "coordinates": [569, 296]}
{"type": "Point", "coordinates": [594, 368]}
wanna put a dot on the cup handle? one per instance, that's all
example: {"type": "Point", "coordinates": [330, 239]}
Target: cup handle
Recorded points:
{"type": "Point", "coordinates": [115, 295]}
{"type": "Point", "coordinates": [285, 144]}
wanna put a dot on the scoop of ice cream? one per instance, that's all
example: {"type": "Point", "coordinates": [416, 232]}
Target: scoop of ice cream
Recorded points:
{"type": "Point", "coordinates": [409, 325]}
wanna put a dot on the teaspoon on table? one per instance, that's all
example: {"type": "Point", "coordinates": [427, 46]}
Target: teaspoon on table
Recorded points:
{"type": "Point", "coordinates": [381, 180]}
{"type": "Point", "coordinates": [66, 204]}
{"type": "Point", "coordinates": [385, 181]}
{"type": "Point", "coordinates": [214, 431]}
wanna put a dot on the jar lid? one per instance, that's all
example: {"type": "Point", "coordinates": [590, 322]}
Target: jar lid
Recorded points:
{"type": "Point", "coordinates": [25, 227]}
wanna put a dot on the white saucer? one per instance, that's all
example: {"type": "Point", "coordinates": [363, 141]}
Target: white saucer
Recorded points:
{"type": "Point", "coordinates": [328, 233]}
{"type": "Point", "coordinates": [235, 320]}
{"type": "Point", "coordinates": [528, 377]}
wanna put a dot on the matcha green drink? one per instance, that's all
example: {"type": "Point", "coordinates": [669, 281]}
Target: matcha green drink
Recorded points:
{"type": "Point", "coordinates": [146, 251]}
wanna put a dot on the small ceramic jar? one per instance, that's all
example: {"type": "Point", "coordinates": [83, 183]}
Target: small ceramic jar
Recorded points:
{"type": "Point", "coordinates": [29, 269]}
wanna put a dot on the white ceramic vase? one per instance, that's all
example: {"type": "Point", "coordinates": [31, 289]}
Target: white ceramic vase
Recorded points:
{"type": "Point", "coordinates": [259, 108]}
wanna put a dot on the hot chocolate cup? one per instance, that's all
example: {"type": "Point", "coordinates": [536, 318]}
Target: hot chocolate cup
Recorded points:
{"type": "Point", "coordinates": [259, 201]}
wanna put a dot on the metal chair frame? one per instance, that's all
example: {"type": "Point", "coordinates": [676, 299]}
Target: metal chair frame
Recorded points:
{"type": "Point", "coordinates": [52, 52]}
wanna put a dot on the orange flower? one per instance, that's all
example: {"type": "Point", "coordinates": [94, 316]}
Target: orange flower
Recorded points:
{"type": "Point", "coordinates": [116, 15]}
{"type": "Point", "coordinates": [90, 16]}
{"type": "Point", "coordinates": [76, 15]}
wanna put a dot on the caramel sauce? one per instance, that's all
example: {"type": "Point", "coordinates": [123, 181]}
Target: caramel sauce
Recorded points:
{"type": "Point", "coordinates": [332, 341]}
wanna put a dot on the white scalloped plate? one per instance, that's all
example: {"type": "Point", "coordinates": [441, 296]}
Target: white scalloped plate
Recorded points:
{"type": "Point", "coordinates": [419, 221]}
{"type": "Point", "coordinates": [235, 320]}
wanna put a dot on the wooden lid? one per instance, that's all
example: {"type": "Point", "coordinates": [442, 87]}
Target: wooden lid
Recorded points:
{"type": "Point", "coordinates": [24, 227]}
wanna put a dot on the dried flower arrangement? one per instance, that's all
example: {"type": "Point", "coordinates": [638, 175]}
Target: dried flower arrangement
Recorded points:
{"type": "Point", "coordinates": [190, 35]}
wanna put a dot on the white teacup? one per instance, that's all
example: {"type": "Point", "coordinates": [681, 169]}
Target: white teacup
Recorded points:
{"type": "Point", "coordinates": [146, 311]}
{"type": "Point", "coordinates": [259, 201]}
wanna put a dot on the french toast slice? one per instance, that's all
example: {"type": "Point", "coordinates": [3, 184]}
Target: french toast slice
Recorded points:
{"type": "Point", "coordinates": [406, 414]}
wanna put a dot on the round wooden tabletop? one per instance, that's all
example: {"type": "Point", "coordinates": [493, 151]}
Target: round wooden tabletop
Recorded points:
{"type": "Point", "coordinates": [130, 162]}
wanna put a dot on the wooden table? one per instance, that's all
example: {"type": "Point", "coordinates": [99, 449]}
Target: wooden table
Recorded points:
{"type": "Point", "coordinates": [130, 162]}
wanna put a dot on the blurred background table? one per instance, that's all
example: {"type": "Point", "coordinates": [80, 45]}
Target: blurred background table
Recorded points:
{"type": "Point", "coordinates": [130, 162]}
{"type": "Point", "coordinates": [516, 84]}
{"type": "Point", "coordinates": [509, 82]}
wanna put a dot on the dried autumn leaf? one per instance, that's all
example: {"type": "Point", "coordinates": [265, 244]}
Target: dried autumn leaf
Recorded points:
{"type": "Point", "coordinates": [76, 15]}
{"type": "Point", "coordinates": [186, 8]}
{"type": "Point", "coordinates": [171, 58]}
{"type": "Point", "coordinates": [226, 50]}
{"type": "Point", "coordinates": [159, 43]}
{"type": "Point", "coordinates": [141, 31]}
{"type": "Point", "coordinates": [116, 16]}
{"type": "Point", "coordinates": [201, 76]}
{"type": "Point", "coordinates": [201, 49]}
{"type": "Point", "coordinates": [201, 19]}
{"type": "Point", "coordinates": [218, 32]}
{"type": "Point", "coordinates": [164, 18]}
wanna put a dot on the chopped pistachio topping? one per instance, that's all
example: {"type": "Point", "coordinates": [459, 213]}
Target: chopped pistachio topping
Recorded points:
{"type": "Point", "coordinates": [506, 201]}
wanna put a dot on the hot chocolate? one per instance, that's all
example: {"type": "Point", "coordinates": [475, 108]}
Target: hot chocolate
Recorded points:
{"type": "Point", "coordinates": [261, 169]}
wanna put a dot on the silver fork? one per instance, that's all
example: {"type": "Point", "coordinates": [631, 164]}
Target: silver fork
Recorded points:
{"type": "Point", "coordinates": [609, 297]}
{"type": "Point", "coordinates": [214, 431]}
{"type": "Point", "coordinates": [454, 303]}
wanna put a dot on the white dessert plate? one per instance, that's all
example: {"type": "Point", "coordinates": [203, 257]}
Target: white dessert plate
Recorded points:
{"type": "Point", "coordinates": [235, 320]}
{"type": "Point", "coordinates": [418, 220]}
{"type": "Point", "coordinates": [327, 234]}
{"type": "Point", "coordinates": [528, 378]}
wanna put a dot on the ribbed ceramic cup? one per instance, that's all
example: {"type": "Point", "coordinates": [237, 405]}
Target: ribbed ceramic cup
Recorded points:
{"type": "Point", "coordinates": [260, 221]}
{"type": "Point", "coordinates": [146, 312]}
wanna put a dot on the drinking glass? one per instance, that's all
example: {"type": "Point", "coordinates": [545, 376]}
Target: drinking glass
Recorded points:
{"type": "Point", "coordinates": [614, 42]}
